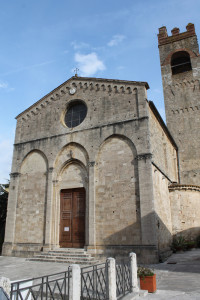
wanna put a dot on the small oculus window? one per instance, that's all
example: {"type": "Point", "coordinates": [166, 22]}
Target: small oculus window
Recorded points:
{"type": "Point", "coordinates": [180, 62]}
{"type": "Point", "coordinates": [75, 114]}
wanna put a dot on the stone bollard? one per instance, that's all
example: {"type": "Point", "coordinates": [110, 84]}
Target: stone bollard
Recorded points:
{"type": "Point", "coordinates": [134, 280]}
{"type": "Point", "coordinates": [5, 284]}
{"type": "Point", "coordinates": [111, 279]}
{"type": "Point", "coordinates": [75, 282]}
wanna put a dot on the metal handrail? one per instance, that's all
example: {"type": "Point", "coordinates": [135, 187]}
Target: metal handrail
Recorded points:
{"type": "Point", "coordinates": [47, 285]}
{"type": "Point", "coordinates": [35, 278]}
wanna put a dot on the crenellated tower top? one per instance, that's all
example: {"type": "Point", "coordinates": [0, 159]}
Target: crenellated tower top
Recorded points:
{"type": "Point", "coordinates": [163, 37]}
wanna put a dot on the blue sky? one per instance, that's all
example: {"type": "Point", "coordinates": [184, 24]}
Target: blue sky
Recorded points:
{"type": "Point", "coordinates": [43, 41]}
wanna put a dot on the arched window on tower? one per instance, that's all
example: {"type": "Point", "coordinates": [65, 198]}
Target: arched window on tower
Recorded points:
{"type": "Point", "coordinates": [180, 62]}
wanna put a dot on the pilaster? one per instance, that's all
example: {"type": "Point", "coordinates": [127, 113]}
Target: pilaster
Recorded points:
{"type": "Point", "coordinates": [91, 208]}
{"type": "Point", "coordinates": [148, 221]}
{"type": "Point", "coordinates": [11, 214]}
{"type": "Point", "coordinates": [48, 210]}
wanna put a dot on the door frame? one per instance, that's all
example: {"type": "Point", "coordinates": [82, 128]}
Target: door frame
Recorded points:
{"type": "Point", "coordinates": [85, 215]}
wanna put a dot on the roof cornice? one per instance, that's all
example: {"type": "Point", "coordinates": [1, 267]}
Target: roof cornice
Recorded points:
{"type": "Point", "coordinates": [106, 85]}
{"type": "Point", "coordinates": [162, 123]}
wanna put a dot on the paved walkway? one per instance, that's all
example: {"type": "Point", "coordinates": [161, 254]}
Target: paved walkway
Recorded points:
{"type": "Point", "coordinates": [177, 278]}
{"type": "Point", "coordinates": [17, 268]}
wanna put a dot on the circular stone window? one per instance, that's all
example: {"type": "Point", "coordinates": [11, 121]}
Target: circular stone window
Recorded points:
{"type": "Point", "coordinates": [75, 114]}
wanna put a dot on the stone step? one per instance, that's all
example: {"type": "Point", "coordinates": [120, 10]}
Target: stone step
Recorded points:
{"type": "Point", "coordinates": [65, 254]}
{"type": "Point", "coordinates": [71, 250]}
{"type": "Point", "coordinates": [66, 261]}
{"type": "Point", "coordinates": [64, 258]}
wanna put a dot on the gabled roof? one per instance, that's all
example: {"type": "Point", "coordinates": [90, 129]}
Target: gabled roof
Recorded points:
{"type": "Point", "coordinates": [97, 80]}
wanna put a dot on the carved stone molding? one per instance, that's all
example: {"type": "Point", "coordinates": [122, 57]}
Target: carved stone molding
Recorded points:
{"type": "Point", "coordinates": [144, 156]}
{"type": "Point", "coordinates": [193, 84]}
{"type": "Point", "coordinates": [186, 109]}
{"type": "Point", "coordinates": [91, 163]}
{"type": "Point", "coordinates": [14, 175]}
{"type": "Point", "coordinates": [50, 170]}
{"type": "Point", "coordinates": [107, 86]}
{"type": "Point", "coordinates": [55, 182]}
{"type": "Point", "coordinates": [185, 187]}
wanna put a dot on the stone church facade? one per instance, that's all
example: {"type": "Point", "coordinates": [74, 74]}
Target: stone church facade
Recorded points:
{"type": "Point", "coordinates": [95, 166]}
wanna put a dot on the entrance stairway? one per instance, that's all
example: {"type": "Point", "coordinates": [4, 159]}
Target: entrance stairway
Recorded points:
{"type": "Point", "coordinates": [66, 255]}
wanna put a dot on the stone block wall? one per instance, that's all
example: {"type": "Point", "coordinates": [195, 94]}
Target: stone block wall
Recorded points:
{"type": "Point", "coordinates": [107, 101]}
{"type": "Point", "coordinates": [163, 148]}
{"type": "Point", "coordinates": [117, 194]}
{"type": "Point", "coordinates": [163, 210]}
{"type": "Point", "coordinates": [185, 211]}
{"type": "Point", "coordinates": [108, 154]}
{"type": "Point", "coordinates": [181, 94]}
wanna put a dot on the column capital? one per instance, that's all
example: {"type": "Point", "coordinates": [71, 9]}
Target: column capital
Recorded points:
{"type": "Point", "coordinates": [15, 174]}
{"type": "Point", "coordinates": [55, 182]}
{"type": "Point", "coordinates": [91, 163]}
{"type": "Point", "coordinates": [50, 170]}
{"type": "Point", "coordinates": [144, 156]}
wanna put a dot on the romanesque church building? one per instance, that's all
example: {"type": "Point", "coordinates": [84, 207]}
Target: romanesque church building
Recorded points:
{"type": "Point", "coordinates": [95, 166]}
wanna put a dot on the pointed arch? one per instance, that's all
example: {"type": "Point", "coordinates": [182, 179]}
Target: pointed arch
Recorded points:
{"type": "Point", "coordinates": [122, 137]}
{"type": "Point", "coordinates": [69, 152]}
{"type": "Point", "coordinates": [35, 151]}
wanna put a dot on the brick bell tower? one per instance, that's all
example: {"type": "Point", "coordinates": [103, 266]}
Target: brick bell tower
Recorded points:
{"type": "Point", "coordinates": [180, 67]}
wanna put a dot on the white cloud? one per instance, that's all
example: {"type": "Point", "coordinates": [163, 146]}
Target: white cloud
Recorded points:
{"type": "Point", "coordinates": [116, 39]}
{"type": "Point", "coordinates": [3, 85]}
{"type": "Point", "coordinates": [28, 67]}
{"type": "Point", "coordinates": [89, 64]}
{"type": "Point", "coordinates": [80, 45]}
{"type": "Point", "coordinates": [6, 150]}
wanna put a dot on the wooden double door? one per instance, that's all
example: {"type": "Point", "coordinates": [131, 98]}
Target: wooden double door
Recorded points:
{"type": "Point", "coordinates": [72, 218]}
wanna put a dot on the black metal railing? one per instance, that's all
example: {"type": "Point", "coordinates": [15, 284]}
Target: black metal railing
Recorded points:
{"type": "Point", "coordinates": [94, 282]}
{"type": "Point", "coordinates": [55, 286]}
{"type": "Point", "coordinates": [123, 278]}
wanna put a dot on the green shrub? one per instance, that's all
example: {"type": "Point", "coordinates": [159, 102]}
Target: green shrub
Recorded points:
{"type": "Point", "coordinates": [198, 241]}
{"type": "Point", "coordinates": [179, 243]}
{"type": "Point", "coordinates": [190, 244]}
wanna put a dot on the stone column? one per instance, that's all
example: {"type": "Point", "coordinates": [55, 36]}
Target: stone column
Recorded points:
{"type": "Point", "coordinates": [11, 214]}
{"type": "Point", "coordinates": [48, 209]}
{"type": "Point", "coordinates": [75, 283]}
{"type": "Point", "coordinates": [147, 212]}
{"type": "Point", "coordinates": [111, 279]}
{"type": "Point", "coordinates": [5, 285]}
{"type": "Point", "coordinates": [91, 212]}
{"type": "Point", "coordinates": [134, 280]}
